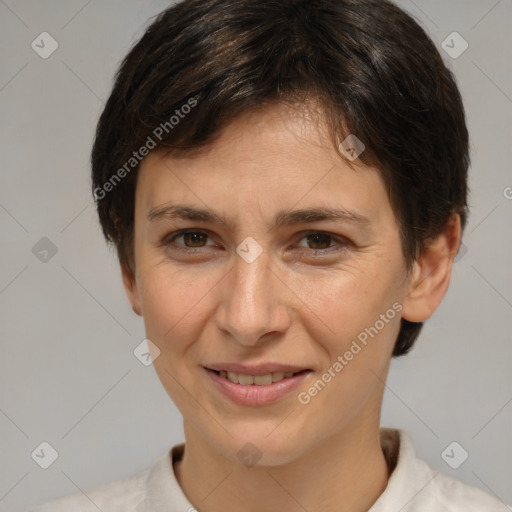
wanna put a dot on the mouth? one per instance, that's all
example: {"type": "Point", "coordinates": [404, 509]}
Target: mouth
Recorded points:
{"type": "Point", "coordinates": [256, 386]}
{"type": "Point", "coordinates": [245, 379]}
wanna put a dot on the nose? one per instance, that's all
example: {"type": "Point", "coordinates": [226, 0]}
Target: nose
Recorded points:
{"type": "Point", "coordinates": [255, 303]}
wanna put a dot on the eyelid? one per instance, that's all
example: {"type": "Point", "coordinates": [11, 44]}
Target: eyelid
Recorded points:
{"type": "Point", "coordinates": [337, 238]}
{"type": "Point", "coordinates": [177, 234]}
{"type": "Point", "coordinates": [341, 242]}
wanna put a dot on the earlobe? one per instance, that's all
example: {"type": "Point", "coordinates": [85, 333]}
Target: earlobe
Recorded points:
{"type": "Point", "coordinates": [130, 286]}
{"type": "Point", "coordinates": [431, 273]}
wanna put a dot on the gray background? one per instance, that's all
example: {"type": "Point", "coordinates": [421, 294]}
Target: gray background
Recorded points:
{"type": "Point", "coordinates": [68, 375]}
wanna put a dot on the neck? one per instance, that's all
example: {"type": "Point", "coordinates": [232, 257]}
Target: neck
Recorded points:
{"type": "Point", "coordinates": [344, 472]}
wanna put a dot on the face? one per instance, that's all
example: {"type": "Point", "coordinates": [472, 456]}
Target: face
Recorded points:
{"type": "Point", "coordinates": [271, 281]}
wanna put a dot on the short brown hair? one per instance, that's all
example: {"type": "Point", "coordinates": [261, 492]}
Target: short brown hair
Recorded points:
{"type": "Point", "coordinates": [369, 65]}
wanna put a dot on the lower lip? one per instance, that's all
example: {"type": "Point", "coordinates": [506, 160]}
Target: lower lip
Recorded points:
{"type": "Point", "coordinates": [253, 395]}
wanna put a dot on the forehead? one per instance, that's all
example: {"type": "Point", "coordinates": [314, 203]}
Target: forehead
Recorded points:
{"type": "Point", "coordinates": [266, 159]}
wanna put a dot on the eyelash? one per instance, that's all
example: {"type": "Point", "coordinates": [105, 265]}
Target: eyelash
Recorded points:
{"type": "Point", "coordinates": [341, 241]}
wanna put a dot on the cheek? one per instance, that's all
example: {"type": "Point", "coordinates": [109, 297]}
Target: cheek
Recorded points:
{"type": "Point", "coordinates": [171, 301]}
{"type": "Point", "coordinates": [354, 317]}
{"type": "Point", "coordinates": [173, 307]}
{"type": "Point", "coordinates": [365, 327]}
{"type": "Point", "coordinates": [342, 304]}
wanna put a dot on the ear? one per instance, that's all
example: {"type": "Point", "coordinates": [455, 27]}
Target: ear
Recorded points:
{"type": "Point", "coordinates": [132, 292]}
{"type": "Point", "coordinates": [431, 273]}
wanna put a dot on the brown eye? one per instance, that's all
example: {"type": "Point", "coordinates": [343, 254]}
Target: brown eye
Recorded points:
{"type": "Point", "coordinates": [186, 240]}
{"type": "Point", "coordinates": [194, 239]}
{"type": "Point", "coordinates": [319, 241]}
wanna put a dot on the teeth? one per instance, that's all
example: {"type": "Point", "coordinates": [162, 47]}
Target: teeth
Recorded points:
{"type": "Point", "coordinates": [245, 379]}
{"type": "Point", "coordinates": [262, 380]}
{"type": "Point", "coordinates": [277, 376]}
{"type": "Point", "coordinates": [258, 380]}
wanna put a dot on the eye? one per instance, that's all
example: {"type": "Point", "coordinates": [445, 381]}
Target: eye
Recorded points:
{"type": "Point", "coordinates": [192, 239]}
{"type": "Point", "coordinates": [318, 242]}
{"type": "Point", "coordinates": [321, 242]}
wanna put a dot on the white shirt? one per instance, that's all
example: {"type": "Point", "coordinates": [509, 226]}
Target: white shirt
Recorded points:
{"type": "Point", "coordinates": [412, 487]}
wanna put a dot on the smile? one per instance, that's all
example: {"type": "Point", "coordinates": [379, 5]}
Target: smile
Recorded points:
{"type": "Point", "coordinates": [256, 380]}
{"type": "Point", "coordinates": [255, 390]}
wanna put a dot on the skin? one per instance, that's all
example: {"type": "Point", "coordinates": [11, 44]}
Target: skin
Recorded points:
{"type": "Point", "coordinates": [289, 306]}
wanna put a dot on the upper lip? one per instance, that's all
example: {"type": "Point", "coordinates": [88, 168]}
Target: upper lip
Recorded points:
{"type": "Point", "coordinates": [257, 369]}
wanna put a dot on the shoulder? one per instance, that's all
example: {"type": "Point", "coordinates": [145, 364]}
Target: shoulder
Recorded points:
{"type": "Point", "coordinates": [152, 489]}
{"type": "Point", "coordinates": [456, 496]}
{"type": "Point", "coordinates": [119, 496]}
{"type": "Point", "coordinates": [416, 487]}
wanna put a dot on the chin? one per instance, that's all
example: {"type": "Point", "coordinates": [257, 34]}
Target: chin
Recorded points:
{"type": "Point", "coordinates": [264, 446]}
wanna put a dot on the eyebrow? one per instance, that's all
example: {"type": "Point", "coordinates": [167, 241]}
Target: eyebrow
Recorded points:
{"type": "Point", "coordinates": [282, 218]}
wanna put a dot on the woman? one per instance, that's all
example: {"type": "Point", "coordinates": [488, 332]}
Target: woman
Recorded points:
{"type": "Point", "coordinates": [285, 185]}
